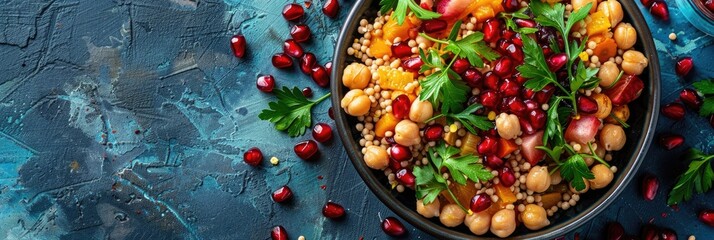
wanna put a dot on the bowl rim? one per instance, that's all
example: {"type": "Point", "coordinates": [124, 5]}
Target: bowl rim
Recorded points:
{"type": "Point", "coordinates": [410, 215]}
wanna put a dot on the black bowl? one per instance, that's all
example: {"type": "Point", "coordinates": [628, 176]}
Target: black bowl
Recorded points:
{"type": "Point", "coordinates": [642, 124]}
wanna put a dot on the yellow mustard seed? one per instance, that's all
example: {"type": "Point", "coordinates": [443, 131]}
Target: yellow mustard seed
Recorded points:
{"type": "Point", "coordinates": [274, 161]}
{"type": "Point", "coordinates": [453, 127]}
{"type": "Point", "coordinates": [491, 115]}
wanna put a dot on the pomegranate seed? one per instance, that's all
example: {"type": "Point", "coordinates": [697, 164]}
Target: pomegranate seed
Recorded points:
{"type": "Point", "coordinates": [333, 210]}
{"type": "Point", "coordinates": [253, 157]}
{"type": "Point", "coordinates": [587, 105]}
{"type": "Point", "coordinates": [395, 165]}
{"type": "Point", "coordinates": [508, 178]}
{"type": "Point", "coordinates": [331, 8]}
{"type": "Point", "coordinates": [516, 106]}
{"type": "Point", "coordinates": [525, 23]}
{"type": "Point", "coordinates": [528, 94]}
{"type": "Point", "coordinates": [331, 113]}
{"type": "Point", "coordinates": [615, 231]}
{"type": "Point", "coordinates": [710, 5]}
{"type": "Point", "coordinates": [491, 30]}
{"type": "Point", "coordinates": [684, 66]}
{"type": "Point", "coordinates": [412, 64]}
{"type": "Point", "coordinates": [433, 25]}
{"type": "Point", "coordinates": [433, 132]}
{"type": "Point", "coordinates": [659, 9]}
{"type": "Point", "coordinates": [509, 88]}
{"type": "Point", "coordinates": [328, 67]}
{"type": "Point", "coordinates": [491, 80]}
{"type": "Point", "coordinates": [473, 77]}
{"type": "Point", "coordinates": [671, 141]}
{"type": "Point", "coordinates": [526, 126]}
{"type": "Point", "coordinates": [238, 45]}
{"type": "Point", "coordinates": [510, 5]}
{"type": "Point", "coordinates": [647, 3]}
{"type": "Point", "coordinates": [401, 49]}
{"type": "Point", "coordinates": [406, 178]}
{"type": "Point", "coordinates": [400, 153]}
{"type": "Point", "coordinates": [293, 11]}
{"type": "Point", "coordinates": [492, 161]}
{"type": "Point", "coordinates": [306, 150]}
{"type": "Point", "coordinates": [292, 48]}
{"type": "Point", "coordinates": [667, 234]}
{"type": "Point", "coordinates": [674, 111]}
{"type": "Point", "coordinates": [393, 227]}
{"type": "Point", "coordinates": [503, 67]}
{"type": "Point", "coordinates": [707, 217]}
{"type": "Point", "coordinates": [650, 184]}
{"type": "Point", "coordinates": [300, 32]}
{"type": "Point", "coordinates": [400, 106]}
{"type": "Point", "coordinates": [537, 119]}
{"type": "Point", "coordinates": [531, 105]}
{"type": "Point", "coordinates": [460, 65]}
{"type": "Point", "coordinates": [320, 76]}
{"type": "Point", "coordinates": [307, 92]}
{"type": "Point", "coordinates": [557, 61]}
{"type": "Point", "coordinates": [283, 194]}
{"type": "Point", "coordinates": [514, 52]}
{"type": "Point", "coordinates": [543, 96]}
{"type": "Point", "coordinates": [265, 83]}
{"type": "Point", "coordinates": [279, 233]}
{"type": "Point", "coordinates": [690, 98]}
{"type": "Point", "coordinates": [480, 202]}
{"type": "Point", "coordinates": [282, 60]}
{"type": "Point", "coordinates": [487, 146]}
{"type": "Point", "coordinates": [490, 99]}
{"type": "Point", "coordinates": [307, 62]}
{"type": "Point", "coordinates": [649, 232]}
{"type": "Point", "coordinates": [322, 132]}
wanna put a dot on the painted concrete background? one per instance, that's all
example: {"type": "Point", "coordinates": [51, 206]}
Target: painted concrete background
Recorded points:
{"type": "Point", "coordinates": [128, 120]}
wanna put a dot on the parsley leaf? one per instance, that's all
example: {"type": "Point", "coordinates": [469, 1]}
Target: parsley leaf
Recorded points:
{"type": "Point", "coordinates": [459, 167]}
{"type": "Point", "coordinates": [468, 119]}
{"type": "Point", "coordinates": [428, 183]}
{"type": "Point", "coordinates": [472, 48]}
{"type": "Point", "coordinates": [699, 177]}
{"type": "Point", "coordinates": [535, 67]}
{"type": "Point", "coordinates": [439, 89]}
{"type": "Point", "coordinates": [511, 24]}
{"type": "Point", "coordinates": [553, 128]}
{"type": "Point", "coordinates": [400, 10]}
{"type": "Point", "coordinates": [706, 88]}
{"type": "Point", "coordinates": [575, 170]}
{"type": "Point", "coordinates": [291, 112]}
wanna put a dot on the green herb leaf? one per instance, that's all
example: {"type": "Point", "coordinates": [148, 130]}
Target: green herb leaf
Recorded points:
{"type": "Point", "coordinates": [575, 171]}
{"type": "Point", "coordinates": [428, 187]}
{"type": "Point", "coordinates": [584, 77]}
{"type": "Point", "coordinates": [472, 48]}
{"type": "Point", "coordinates": [400, 10]}
{"type": "Point", "coordinates": [554, 153]}
{"type": "Point", "coordinates": [699, 177]}
{"type": "Point", "coordinates": [468, 119]}
{"type": "Point", "coordinates": [549, 16]}
{"type": "Point", "coordinates": [459, 167]}
{"type": "Point", "coordinates": [553, 128]}
{"type": "Point", "coordinates": [439, 89]}
{"type": "Point", "coordinates": [386, 5]}
{"type": "Point", "coordinates": [535, 67]}
{"type": "Point", "coordinates": [291, 112]}
{"type": "Point", "coordinates": [576, 16]}
{"type": "Point", "coordinates": [705, 87]}
{"type": "Point", "coordinates": [707, 107]}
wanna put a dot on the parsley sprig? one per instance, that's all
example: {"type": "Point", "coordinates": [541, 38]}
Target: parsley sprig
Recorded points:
{"type": "Point", "coordinates": [699, 177]}
{"type": "Point", "coordinates": [430, 182]}
{"type": "Point", "coordinates": [468, 119]}
{"type": "Point", "coordinates": [292, 111]}
{"type": "Point", "coordinates": [574, 169]}
{"type": "Point", "coordinates": [706, 88]}
{"type": "Point", "coordinates": [400, 10]}
{"type": "Point", "coordinates": [511, 24]}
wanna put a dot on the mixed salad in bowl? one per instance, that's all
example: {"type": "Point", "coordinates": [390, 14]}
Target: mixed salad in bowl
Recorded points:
{"type": "Point", "coordinates": [497, 113]}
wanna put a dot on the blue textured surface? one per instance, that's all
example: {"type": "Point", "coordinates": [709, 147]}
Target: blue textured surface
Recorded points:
{"type": "Point", "coordinates": [128, 120]}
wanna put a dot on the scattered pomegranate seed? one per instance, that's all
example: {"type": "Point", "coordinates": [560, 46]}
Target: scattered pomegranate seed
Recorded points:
{"type": "Point", "coordinates": [282, 60]}
{"type": "Point", "coordinates": [537, 118]}
{"type": "Point", "coordinates": [491, 30]}
{"type": "Point", "coordinates": [333, 210]}
{"type": "Point", "coordinates": [707, 217]}
{"type": "Point", "coordinates": [331, 8]}
{"type": "Point", "coordinates": [509, 88]}
{"type": "Point", "coordinates": [691, 98]}
{"type": "Point", "coordinates": [710, 5]}
{"type": "Point", "coordinates": [649, 232]}
{"type": "Point", "coordinates": [401, 49]}
{"type": "Point", "coordinates": [322, 132]}
{"type": "Point", "coordinates": [238, 45]}
{"type": "Point", "coordinates": [557, 61]}
{"type": "Point", "coordinates": [307, 92]}
{"type": "Point", "coordinates": [647, 3]}
{"type": "Point", "coordinates": [393, 227]}
{"type": "Point", "coordinates": [491, 80]}
{"type": "Point", "coordinates": [473, 77]}
{"type": "Point", "coordinates": [659, 9]}
{"type": "Point", "coordinates": [650, 184]}
{"type": "Point", "coordinates": [525, 23]}
{"type": "Point", "coordinates": [512, 51]}
{"type": "Point", "coordinates": [587, 105]}
{"type": "Point", "coordinates": [306, 150]}
{"type": "Point", "coordinates": [400, 153]}
{"type": "Point", "coordinates": [487, 146]}
{"type": "Point", "coordinates": [300, 32]}
{"type": "Point", "coordinates": [328, 67]}
{"type": "Point", "coordinates": [307, 62]}
{"type": "Point", "coordinates": [480, 202]}
{"type": "Point", "coordinates": [283, 194]}
{"type": "Point", "coordinates": [406, 177]}
{"type": "Point", "coordinates": [292, 48]}
{"type": "Point", "coordinates": [433, 25]}
{"type": "Point", "coordinates": [615, 231]}
{"type": "Point", "coordinates": [265, 83]}
{"type": "Point", "coordinates": [492, 161]}
{"type": "Point", "coordinates": [674, 111]}
{"type": "Point", "coordinates": [331, 113]}
{"type": "Point", "coordinates": [516, 106]}
{"type": "Point", "coordinates": [279, 233]}
{"type": "Point", "coordinates": [671, 141]}
{"type": "Point", "coordinates": [412, 64]}
{"type": "Point", "coordinates": [293, 11]}
{"type": "Point", "coordinates": [507, 177]}
{"type": "Point", "coordinates": [684, 66]}
{"type": "Point", "coordinates": [400, 106]}
{"type": "Point", "coordinates": [253, 157]}
{"type": "Point", "coordinates": [433, 132]}
{"type": "Point", "coordinates": [320, 76]}
{"type": "Point", "coordinates": [394, 165]}
{"type": "Point", "coordinates": [543, 96]}
{"type": "Point", "coordinates": [667, 234]}
{"type": "Point", "coordinates": [504, 67]}
{"type": "Point", "coordinates": [490, 99]}
{"type": "Point", "coordinates": [510, 5]}
{"type": "Point", "coordinates": [460, 65]}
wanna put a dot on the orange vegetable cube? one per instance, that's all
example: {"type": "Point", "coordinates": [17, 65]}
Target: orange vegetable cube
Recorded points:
{"type": "Point", "coordinates": [484, 12]}
{"type": "Point", "coordinates": [504, 194]}
{"type": "Point", "coordinates": [600, 23]}
{"type": "Point", "coordinates": [386, 123]}
{"type": "Point", "coordinates": [379, 48]}
{"type": "Point", "coordinates": [392, 29]}
{"type": "Point", "coordinates": [606, 49]}
{"type": "Point", "coordinates": [505, 147]}
{"type": "Point", "coordinates": [395, 79]}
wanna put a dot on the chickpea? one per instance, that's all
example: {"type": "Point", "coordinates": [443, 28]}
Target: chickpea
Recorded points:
{"type": "Point", "coordinates": [603, 176]}
{"type": "Point", "coordinates": [356, 76]}
{"type": "Point", "coordinates": [376, 157]}
{"type": "Point", "coordinates": [613, 10]}
{"type": "Point", "coordinates": [407, 133]}
{"type": "Point", "coordinates": [508, 126]}
{"type": "Point", "coordinates": [587, 187]}
{"type": "Point", "coordinates": [608, 74]}
{"type": "Point", "coordinates": [503, 223]}
{"type": "Point", "coordinates": [578, 4]}
{"type": "Point", "coordinates": [604, 105]}
{"type": "Point", "coordinates": [620, 112]}
{"type": "Point", "coordinates": [452, 215]}
{"type": "Point", "coordinates": [612, 137]}
{"type": "Point", "coordinates": [534, 217]}
{"type": "Point", "coordinates": [555, 178]}
{"type": "Point", "coordinates": [625, 36]}
{"type": "Point", "coordinates": [538, 179]}
{"type": "Point", "coordinates": [479, 222]}
{"type": "Point", "coordinates": [430, 210]}
{"type": "Point", "coordinates": [420, 111]}
{"type": "Point", "coordinates": [356, 103]}
{"type": "Point", "coordinates": [634, 62]}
